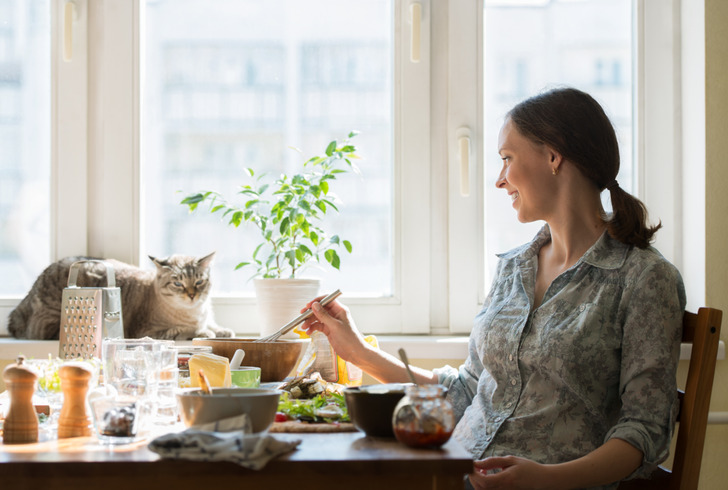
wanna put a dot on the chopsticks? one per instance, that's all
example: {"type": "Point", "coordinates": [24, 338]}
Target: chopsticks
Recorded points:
{"type": "Point", "coordinates": [298, 320]}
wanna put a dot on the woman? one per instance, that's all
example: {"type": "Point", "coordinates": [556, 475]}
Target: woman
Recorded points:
{"type": "Point", "coordinates": [570, 376]}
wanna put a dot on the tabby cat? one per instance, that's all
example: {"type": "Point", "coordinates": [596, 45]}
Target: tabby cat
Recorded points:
{"type": "Point", "coordinates": [171, 302]}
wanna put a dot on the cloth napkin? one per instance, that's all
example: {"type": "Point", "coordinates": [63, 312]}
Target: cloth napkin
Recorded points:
{"type": "Point", "coordinates": [224, 440]}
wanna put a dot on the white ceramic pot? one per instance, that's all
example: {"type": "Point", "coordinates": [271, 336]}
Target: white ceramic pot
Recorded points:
{"type": "Point", "coordinates": [280, 300]}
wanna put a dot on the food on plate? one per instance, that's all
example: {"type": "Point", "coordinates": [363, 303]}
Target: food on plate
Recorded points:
{"type": "Point", "coordinates": [312, 399]}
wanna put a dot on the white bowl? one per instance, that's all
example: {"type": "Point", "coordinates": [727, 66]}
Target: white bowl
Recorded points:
{"type": "Point", "coordinates": [260, 404]}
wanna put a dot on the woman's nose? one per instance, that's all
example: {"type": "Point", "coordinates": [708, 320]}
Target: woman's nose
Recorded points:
{"type": "Point", "coordinates": [501, 181]}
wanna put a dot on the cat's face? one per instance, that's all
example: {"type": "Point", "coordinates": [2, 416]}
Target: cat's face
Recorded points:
{"type": "Point", "coordinates": [183, 279]}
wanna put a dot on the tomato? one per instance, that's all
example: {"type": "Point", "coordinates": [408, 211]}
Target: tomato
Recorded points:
{"type": "Point", "coordinates": [281, 417]}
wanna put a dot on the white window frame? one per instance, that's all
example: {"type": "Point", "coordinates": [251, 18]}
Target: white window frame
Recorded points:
{"type": "Point", "coordinates": [438, 243]}
{"type": "Point", "coordinates": [657, 130]}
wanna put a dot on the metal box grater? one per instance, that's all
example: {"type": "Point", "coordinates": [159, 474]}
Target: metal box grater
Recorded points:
{"type": "Point", "coordinates": [88, 315]}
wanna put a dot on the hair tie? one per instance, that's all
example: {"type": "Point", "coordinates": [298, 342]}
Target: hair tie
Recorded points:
{"type": "Point", "coordinates": [612, 184]}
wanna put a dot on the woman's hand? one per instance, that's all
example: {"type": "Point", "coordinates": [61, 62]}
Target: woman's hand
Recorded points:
{"type": "Point", "coordinates": [334, 320]}
{"type": "Point", "coordinates": [515, 473]}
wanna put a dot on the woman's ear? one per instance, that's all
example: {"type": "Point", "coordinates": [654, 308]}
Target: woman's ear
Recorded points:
{"type": "Point", "coordinates": [555, 160]}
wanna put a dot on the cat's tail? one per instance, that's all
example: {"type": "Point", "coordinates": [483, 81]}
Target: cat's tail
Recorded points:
{"type": "Point", "coordinates": [18, 318]}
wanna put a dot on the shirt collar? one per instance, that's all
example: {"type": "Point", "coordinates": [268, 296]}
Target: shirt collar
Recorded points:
{"type": "Point", "coordinates": [606, 253]}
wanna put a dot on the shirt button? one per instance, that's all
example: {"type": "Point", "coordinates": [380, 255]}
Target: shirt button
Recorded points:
{"type": "Point", "coordinates": [510, 357]}
{"type": "Point", "coordinates": [514, 381]}
{"type": "Point", "coordinates": [509, 404]}
{"type": "Point", "coordinates": [582, 307]}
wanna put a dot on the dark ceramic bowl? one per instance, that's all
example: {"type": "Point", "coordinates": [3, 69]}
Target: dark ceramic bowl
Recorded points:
{"type": "Point", "coordinates": [371, 407]}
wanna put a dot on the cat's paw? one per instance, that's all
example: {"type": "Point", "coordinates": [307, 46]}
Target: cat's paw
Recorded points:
{"type": "Point", "coordinates": [205, 334]}
{"type": "Point", "coordinates": [223, 332]}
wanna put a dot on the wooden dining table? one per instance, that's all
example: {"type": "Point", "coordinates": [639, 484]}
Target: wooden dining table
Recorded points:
{"type": "Point", "coordinates": [347, 460]}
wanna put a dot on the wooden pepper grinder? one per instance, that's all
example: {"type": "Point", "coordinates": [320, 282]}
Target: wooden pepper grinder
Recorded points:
{"type": "Point", "coordinates": [21, 422]}
{"type": "Point", "coordinates": [74, 420]}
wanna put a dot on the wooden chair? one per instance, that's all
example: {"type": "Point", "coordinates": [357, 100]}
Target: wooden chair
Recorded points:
{"type": "Point", "coordinates": [703, 331]}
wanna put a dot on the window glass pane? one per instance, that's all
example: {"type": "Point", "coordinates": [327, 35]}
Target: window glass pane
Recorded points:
{"type": "Point", "coordinates": [234, 85]}
{"type": "Point", "coordinates": [24, 142]}
{"type": "Point", "coordinates": [532, 45]}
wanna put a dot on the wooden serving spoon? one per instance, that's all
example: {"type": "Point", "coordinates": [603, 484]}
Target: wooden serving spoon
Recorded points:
{"type": "Point", "coordinates": [204, 383]}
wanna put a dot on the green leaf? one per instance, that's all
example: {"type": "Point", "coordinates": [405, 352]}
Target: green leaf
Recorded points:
{"type": "Point", "coordinates": [331, 148]}
{"type": "Point", "coordinates": [321, 205]}
{"type": "Point", "coordinates": [285, 225]}
{"type": "Point", "coordinates": [252, 202]}
{"type": "Point", "coordinates": [237, 218]}
{"type": "Point", "coordinates": [217, 208]}
{"type": "Point", "coordinates": [324, 187]}
{"type": "Point", "coordinates": [353, 133]}
{"type": "Point", "coordinates": [193, 199]}
{"type": "Point", "coordinates": [241, 265]}
{"type": "Point", "coordinates": [330, 204]}
{"type": "Point", "coordinates": [332, 258]}
{"type": "Point", "coordinates": [334, 239]}
{"type": "Point", "coordinates": [347, 245]}
{"type": "Point", "coordinates": [250, 171]}
{"type": "Point", "coordinates": [314, 238]}
{"type": "Point", "coordinates": [303, 248]}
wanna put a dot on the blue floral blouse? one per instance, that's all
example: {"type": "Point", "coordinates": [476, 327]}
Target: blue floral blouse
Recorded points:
{"type": "Point", "coordinates": [596, 360]}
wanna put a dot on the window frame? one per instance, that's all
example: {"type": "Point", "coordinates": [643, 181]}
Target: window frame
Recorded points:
{"type": "Point", "coordinates": [96, 209]}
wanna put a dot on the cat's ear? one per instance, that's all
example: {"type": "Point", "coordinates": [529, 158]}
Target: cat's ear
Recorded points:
{"type": "Point", "coordinates": [158, 262]}
{"type": "Point", "coordinates": [206, 261]}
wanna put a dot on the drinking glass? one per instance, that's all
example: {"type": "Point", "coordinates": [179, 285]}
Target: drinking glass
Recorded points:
{"type": "Point", "coordinates": [167, 383]}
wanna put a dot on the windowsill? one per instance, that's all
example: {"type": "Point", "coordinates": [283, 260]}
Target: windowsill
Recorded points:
{"type": "Point", "coordinates": [417, 347]}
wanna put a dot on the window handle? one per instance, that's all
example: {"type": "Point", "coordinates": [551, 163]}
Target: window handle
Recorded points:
{"type": "Point", "coordinates": [69, 12]}
{"type": "Point", "coordinates": [416, 25]}
{"type": "Point", "coordinates": [463, 147]}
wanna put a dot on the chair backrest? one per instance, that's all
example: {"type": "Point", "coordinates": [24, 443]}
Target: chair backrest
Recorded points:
{"type": "Point", "coordinates": [703, 331]}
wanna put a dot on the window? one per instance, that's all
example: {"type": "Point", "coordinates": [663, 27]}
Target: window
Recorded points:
{"type": "Point", "coordinates": [25, 113]}
{"type": "Point", "coordinates": [586, 44]}
{"type": "Point", "coordinates": [148, 106]}
{"type": "Point", "coordinates": [239, 89]}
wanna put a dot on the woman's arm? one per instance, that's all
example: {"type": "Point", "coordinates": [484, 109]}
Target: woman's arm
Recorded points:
{"type": "Point", "coordinates": [336, 323]}
{"type": "Point", "coordinates": [613, 461]}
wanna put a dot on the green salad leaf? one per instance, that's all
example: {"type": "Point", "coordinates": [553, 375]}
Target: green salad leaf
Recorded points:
{"type": "Point", "coordinates": [311, 410]}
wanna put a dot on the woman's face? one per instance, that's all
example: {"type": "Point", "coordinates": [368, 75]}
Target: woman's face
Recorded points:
{"type": "Point", "coordinates": [526, 174]}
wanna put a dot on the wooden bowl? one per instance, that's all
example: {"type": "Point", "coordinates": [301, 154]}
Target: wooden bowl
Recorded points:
{"type": "Point", "coordinates": [276, 359]}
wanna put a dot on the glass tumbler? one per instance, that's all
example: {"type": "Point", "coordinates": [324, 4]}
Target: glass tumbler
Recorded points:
{"type": "Point", "coordinates": [130, 366]}
{"type": "Point", "coordinates": [423, 418]}
{"type": "Point", "coordinates": [167, 383]}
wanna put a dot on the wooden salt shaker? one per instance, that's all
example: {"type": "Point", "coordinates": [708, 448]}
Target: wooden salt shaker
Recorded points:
{"type": "Point", "coordinates": [21, 422]}
{"type": "Point", "coordinates": [74, 420]}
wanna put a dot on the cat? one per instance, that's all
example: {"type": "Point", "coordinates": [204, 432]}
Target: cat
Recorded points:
{"type": "Point", "coordinates": [170, 303]}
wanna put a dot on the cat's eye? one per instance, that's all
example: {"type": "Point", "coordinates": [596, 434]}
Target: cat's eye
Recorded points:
{"type": "Point", "coordinates": [178, 284]}
{"type": "Point", "coordinates": [199, 282]}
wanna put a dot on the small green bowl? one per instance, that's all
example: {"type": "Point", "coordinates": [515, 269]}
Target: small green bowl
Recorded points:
{"type": "Point", "coordinates": [246, 377]}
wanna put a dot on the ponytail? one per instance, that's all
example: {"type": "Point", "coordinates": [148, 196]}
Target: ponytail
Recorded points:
{"type": "Point", "coordinates": [628, 223]}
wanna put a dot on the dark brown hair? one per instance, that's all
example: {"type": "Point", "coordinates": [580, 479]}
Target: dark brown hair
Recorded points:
{"type": "Point", "coordinates": [575, 125]}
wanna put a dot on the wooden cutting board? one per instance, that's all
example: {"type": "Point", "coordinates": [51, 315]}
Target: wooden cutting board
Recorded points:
{"type": "Point", "coordinates": [298, 426]}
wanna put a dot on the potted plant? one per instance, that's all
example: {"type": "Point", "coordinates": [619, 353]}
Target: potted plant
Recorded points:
{"type": "Point", "coordinates": [288, 213]}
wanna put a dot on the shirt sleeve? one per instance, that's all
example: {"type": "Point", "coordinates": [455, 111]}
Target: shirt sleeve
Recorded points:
{"type": "Point", "coordinates": [652, 315]}
{"type": "Point", "coordinates": [462, 383]}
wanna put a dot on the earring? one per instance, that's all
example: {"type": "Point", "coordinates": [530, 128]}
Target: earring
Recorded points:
{"type": "Point", "coordinates": [555, 170]}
